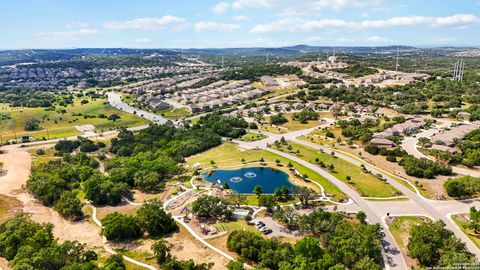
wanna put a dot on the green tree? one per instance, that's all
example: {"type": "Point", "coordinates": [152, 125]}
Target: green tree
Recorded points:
{"type": "Point", "coordinates": [161, 250]}
{"type": "Point", "coordinates": [267, 201]}
{"type": "Point", "coordinates": [114, 117]}
{"type": "Point", "coordinates": [69, 206]}
{"type": "Point", "coordinates": [119, 227]}
{"type": "Point", "coordinates": [258, 190]}
{"type": "Point", "coordinates": [154, 220]}
{"type": "Point", "coordinates": [114, 262]}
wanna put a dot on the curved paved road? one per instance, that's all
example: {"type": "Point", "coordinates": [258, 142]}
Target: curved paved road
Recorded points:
{"type": "Point", "coordinates": [409, 144]}
{"type": "Point", "coordinates": [375, 211]}
{"type": "Point", "coordinates": [115, 100]}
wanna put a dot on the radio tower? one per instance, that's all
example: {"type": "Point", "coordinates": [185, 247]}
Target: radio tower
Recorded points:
{"type": "Point", "coordinates": [458, 70]}
{"type": "Point", "coordinates": [223, 61]}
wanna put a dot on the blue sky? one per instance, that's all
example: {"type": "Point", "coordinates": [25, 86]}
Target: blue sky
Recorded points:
{"type": "Point", "coordinates": [236, 23]}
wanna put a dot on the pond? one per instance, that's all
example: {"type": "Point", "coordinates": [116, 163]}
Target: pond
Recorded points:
{"type": "Point", "coordinates": [245, 179]}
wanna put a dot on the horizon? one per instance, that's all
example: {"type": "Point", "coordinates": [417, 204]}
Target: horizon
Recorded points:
{"type": "Point", "coordinates": [254, 47]}
{"type": "Point", "coordinates": [237, 24]}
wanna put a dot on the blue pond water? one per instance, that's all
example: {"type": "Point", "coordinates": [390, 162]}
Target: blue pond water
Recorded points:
{"type": "Point", "coordinates": [245, 179]}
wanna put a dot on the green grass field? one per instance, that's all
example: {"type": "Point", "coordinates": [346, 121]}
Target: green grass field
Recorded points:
{"type": "Point", "coordinates": [251, 137]}
{"type": "Point", "coordinates": [463, 224]}
{"type": "Point", "coordinates": [365, 183]}
{"type": "Point", "coordinates": [228, 154]}
{"type": "Point", "coordinates": [57, 125]}
{"type": "Point", "coordinates": [238, 225]}
{"type": "Point", "coordinates": [174, 114]}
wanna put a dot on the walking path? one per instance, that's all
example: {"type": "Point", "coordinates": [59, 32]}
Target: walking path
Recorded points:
{"type": "Point", "coordinates": [108, 248]}
{"type": "Point", "coordinates": [375, 210]}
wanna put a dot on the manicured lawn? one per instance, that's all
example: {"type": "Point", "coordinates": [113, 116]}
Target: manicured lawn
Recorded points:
{"type": "Point", "coordinates": [461, 221]}
{"type": "Point", "coordinates": [365, 183]}
{"type": "Point", "coordinates": [274, 129]}
{"type": "Point", "coordinates": [174, 114]}
{"type": "Point", "coordinates": [228, 154]}
{"type": "Point", "coordinates": [140, 256]}
{"type": "Point", "coordinates": [252, 200]}
{"type": "Point", "coordinates": [238, 225]}
{"type": "Point", "coordinates": [57, 125]}
{"type": "Point", "coordinates": [251, 137]}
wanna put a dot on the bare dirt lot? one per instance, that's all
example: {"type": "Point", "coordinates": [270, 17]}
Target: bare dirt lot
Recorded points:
{"type": "Point", "coordinates": [17, 163]}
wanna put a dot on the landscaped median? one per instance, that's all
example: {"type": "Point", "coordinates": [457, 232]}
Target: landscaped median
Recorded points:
{"type": "Point", "coordinates": [361, 180]}
{"type": "Point", "coordinates": [229, 154]}
{"type": "Point", "coordinates": [400, 229]}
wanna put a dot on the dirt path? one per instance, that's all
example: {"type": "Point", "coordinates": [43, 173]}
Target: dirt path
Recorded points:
{"type": "Point", "coordinates": [17, 163]}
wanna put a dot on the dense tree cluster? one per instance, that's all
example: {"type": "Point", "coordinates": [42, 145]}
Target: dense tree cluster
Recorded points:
{"type": "Point", "coordinates": [211, 207]}
{"type": "Point", "coordinates": [355, 130]}
{"type": "Point", "coordinates": [278, 119]}
{"type": "Point", "coordinates": [27, 98]}
{"type": "Point", "coordinates": [357, 70]}
{"type": "Point", "coordinates": [53, 182]}
{"type": "Point", "coordinates": [29, 245]}
{"type": "Point", "coordinates": [434, 246]}
{"type": "Point", "coordinates": [254, 72]}
{"type": "Point", "coordinates": [150, 218]}
{"type": "Point", "coordinates": [470, 149]}
{"type": "Point", "coordinates": [85, 146]}
{"type": "Point", "coordinates": [227, 126]}
{"type": "Point", "coordinates": [465, 186]}
{"type": "Point", "coordinates": [424, 168]}
{"type": "Point", "coordinates": [306, 115]}
{"type": "Point", "coordinates": [334, 244]}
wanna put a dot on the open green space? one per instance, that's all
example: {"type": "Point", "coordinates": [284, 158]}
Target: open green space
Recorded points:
{"type": "Point", "coordinates": [237, 225]}
{"type": "Point", "coordinates": [174, 114]}
{"type": "Point", "coordinates": [400, 229]}
{"type": "Point", "coordinates": [228, 154]}
{"type": "Point", "coordinates": [55, 124]}
{"type": "Point", "coordinates": [461, 221]}
{"type": "Point", "coordinates": [365, 183]}
{"type": "Point", "coordinates": [140, 256]}
{"type": "Point", "coordinates": [251, 137]}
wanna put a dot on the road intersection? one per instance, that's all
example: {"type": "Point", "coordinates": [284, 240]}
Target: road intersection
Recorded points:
{"type": "Point", "coordinates": [376, 211]}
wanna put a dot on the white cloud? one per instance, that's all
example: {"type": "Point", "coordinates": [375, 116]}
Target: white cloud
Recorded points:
{"type": "Point", "coordinates": [214, 26]}
{"type": "Point", "coordinates": [143, 40]}
{"type": "Point", "coordinates": [395, 21]}
{"type": "Point", "coordinates": [306, 5]}
{"type": "Point", "coordinates": [241, 18]}
{"type": "Point", "coordinates": [457, 19]}
{"type": "Point", "coordinates": [77, 25]}
{"type": "Point", "coordinates": [297, 25]}
{"type": "Point", "coordinates": [238, 4]}
{"type": "Point", "coordinates": [145, 23]}
{"type": "Point", "coordinates": [69, 35]}
{"type": "Point", "coordinates": [372, 40]}
{"type": "Point", "coordinates": [220, 7]}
